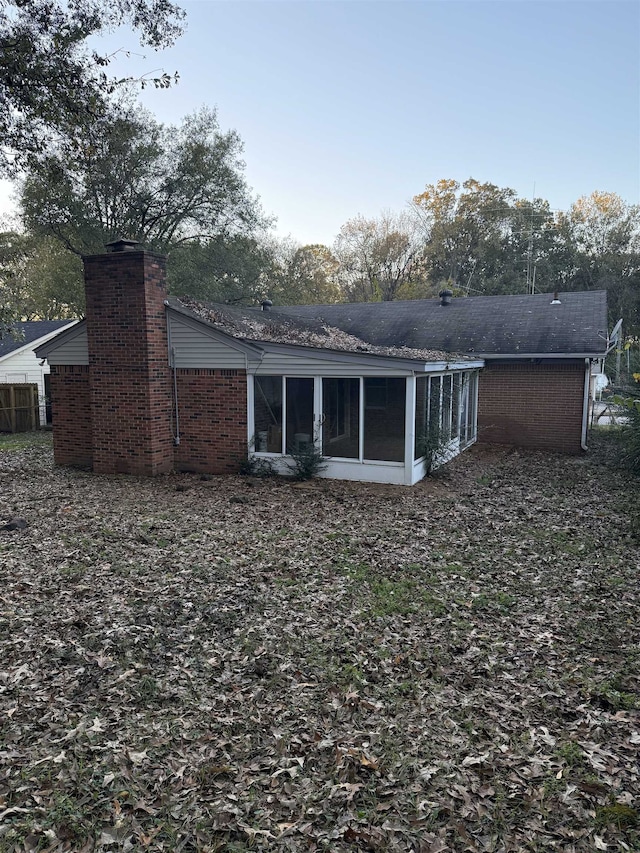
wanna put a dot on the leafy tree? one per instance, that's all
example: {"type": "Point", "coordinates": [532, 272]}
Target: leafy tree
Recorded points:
{"type": "Point", "coordinates": [602, 224]}
{"type": "Point", "coordinates": [464, 231]}
{"type": "Point", "coordinates": [601, 237]}
{"type": "Point", "coordinates": [234, 268]}
{"type": "Point", "coordinates": [480, 238]}
{"type": "Point", "coordinates": [303, 275]}
{"type": "Point", "coordinates": [378, 257]}
{"type": "Point", "coordinates": [136, 178]}
{"type": "Point", "coordinates": [51, 83]}
{"type": "Point", "coordinates": [248, 269]}
{"type": "Point", "coordinates": [39, 279]}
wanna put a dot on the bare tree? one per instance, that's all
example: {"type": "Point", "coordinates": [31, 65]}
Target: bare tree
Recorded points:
{"type": "Point", "coordinates": [378, 257]}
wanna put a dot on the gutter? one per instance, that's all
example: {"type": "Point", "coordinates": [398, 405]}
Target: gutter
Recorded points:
{"type": "Point", "coordinates": [544, 356]}
{"type": "Point", "coordinates": [585, 404]}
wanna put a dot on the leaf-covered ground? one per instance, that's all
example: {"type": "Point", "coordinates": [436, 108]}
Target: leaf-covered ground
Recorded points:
{"type": "Point", "coordinates": [234, 664]}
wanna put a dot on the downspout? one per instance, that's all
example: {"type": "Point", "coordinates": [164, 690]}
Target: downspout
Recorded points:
{"type": "Point", "coordinates": [175, 415]}
{"type": "Point", "coordinates": [176, 437]}
{"type": "Point", "coordinates": [585, 403]}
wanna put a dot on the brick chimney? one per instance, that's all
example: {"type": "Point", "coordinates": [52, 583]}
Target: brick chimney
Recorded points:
{"type": "Point", "coordinates": [129, 376]}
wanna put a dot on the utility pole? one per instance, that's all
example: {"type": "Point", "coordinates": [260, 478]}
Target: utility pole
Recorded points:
{"type": "Point", "coordinates": [530, 266]}
{"type": "Point", "coordinates": [530, 275]}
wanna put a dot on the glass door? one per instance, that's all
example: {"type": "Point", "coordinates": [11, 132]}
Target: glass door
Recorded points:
{"type": "Point", "coordinates": [299, 409]}
{"type": "Point", "coordinates": [341, 417]}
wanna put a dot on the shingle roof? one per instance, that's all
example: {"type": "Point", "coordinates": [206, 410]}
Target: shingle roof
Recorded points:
{"type": "Point", "coordinates": [476, 325]}
{"type": "Point", "coordinates": [29, 332]}
{"type": "Point", "coordinates": [275, 326]}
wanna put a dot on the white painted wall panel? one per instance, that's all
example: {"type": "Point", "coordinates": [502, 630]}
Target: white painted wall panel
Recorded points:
{"type": "Point", "coordinates": [22, 366]}
{"type": "Point", "coordinates": [22, 361]}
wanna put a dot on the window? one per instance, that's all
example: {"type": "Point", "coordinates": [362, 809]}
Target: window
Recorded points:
{"type": "Point", "coordinates": [435, 405]}
{"type": "Point", "coordinates": [468, 411]}
{"type": "Point", "coordinates": [438, 409]}
{"type": "Point", "coordinates": [422, 401]}
{"type": "Point", "coordinates": [384, 425]}
{"type": "Point", "coordinates": [283, 419]}
{"type": "Point", "coordinates": [455, 406]}
{"type": "Point", "coordinates": [447, 402]}
{"type": "Point", "coordinates": [268, 414]}
{"type": "Point", "coordinates": [285, 415]}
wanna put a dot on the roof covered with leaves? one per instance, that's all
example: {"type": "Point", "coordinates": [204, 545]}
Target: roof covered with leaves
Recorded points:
{"type": "Point", "coordinates": [277, 326]}
{"type": "Point", "coordinates": [575, 323]}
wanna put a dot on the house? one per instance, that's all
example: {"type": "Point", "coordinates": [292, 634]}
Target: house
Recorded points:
{"type": "Point", "coordinates": [19, 364]}
{"type": "Point", "coordinates": [147, 385]}
{"type": "Point", "coordinates": [538, 350]}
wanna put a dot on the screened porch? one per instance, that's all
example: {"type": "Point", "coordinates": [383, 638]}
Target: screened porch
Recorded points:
{"type": "Point", "coordinates": [368, 428]}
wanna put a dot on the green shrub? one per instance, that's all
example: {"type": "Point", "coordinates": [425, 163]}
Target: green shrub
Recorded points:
{"type": "Point", "coordinates": [256, 466]}
{"type": "Point", "coordinates": [629, 455]}
{"type": "Point", "coordinates": [431, 444]}
{"type": "Point", "coordinates": [306, 462]}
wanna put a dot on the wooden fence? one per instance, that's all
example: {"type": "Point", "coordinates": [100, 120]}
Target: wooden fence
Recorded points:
{"type": "Point", "coordinates": [19, 408]}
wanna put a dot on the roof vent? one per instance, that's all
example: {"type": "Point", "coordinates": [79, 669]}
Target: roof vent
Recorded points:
{"type": "Point", "coordinates": [123, 245]}
{"type": "Point", "coordinates": [445, 297]}
{"type": "Point", "coordinates": [555, 300]}
{"type": "Point", "coordinates": [266, 304]}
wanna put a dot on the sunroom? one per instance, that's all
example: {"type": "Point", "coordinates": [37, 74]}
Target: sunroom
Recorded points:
{"type": "Point", "coordinates": [368, 427]}
{"type": "Point", "coordinates": [367, 410]}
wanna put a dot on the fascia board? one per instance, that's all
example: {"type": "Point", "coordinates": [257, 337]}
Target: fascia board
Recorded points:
{"type": "Point", "coordinates": [337, 355]}
{"type": "Point", "coordinates": [443, 366]}
{"type": "Point", "coordinates": [393, 362]}
{"type": "Point", "coordinates": [506, 356]}
{"type": "Point", "coordinates": [57, 339]}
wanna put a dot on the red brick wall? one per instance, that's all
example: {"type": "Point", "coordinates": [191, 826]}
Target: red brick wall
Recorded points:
{"type": "Point", "coordinates": [71, 407]}
{"type": "Point", "coordinates": [129, 367]}
{"type": "Point", "coordinates": [212, 405]}
{"type": "Point", "coordinates": [531, 405]}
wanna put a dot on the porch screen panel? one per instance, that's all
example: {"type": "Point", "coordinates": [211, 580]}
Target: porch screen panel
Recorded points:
{"type": "Point", "coordinates": [455, 406]}
{"type": "Point", "coordinates": [268, 414]}
{"type": "Point", "coordinates": [341, 417]}
{"type": "Point", "coordinates": [435, 410]}
{"type": "Point", "coordinates": [422, 399]}
{"type": "Point", "coordinates": [472, 415]}
{"type": "Point", "coordinates": [384, 419]}
{"type": "Point", "coordinates": [447, 398]}
{"type": "Point", "coordinates": [299, 414]}
{"type": "Point", "coordinates": [468, 412]}
{"type": "Point", "coordinates": [464, 408]}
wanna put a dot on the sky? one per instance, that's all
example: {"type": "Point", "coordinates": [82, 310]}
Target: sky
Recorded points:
{"type": "Point", "coordinates": [352, 107]}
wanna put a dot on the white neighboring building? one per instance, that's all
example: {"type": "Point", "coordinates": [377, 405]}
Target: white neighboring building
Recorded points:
{"type": "Point", "coordinates": [18, 362]}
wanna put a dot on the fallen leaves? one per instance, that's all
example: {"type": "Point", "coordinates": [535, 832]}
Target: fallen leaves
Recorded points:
{"type": "Point", "coordinates": [452, 667]}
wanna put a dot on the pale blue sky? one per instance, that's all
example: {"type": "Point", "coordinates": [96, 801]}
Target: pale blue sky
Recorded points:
{"type": "Point", "coordinates": [352, 107]}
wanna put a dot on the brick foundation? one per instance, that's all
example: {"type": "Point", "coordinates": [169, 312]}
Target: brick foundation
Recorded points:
{"type": "Point", "coordinates": [531, 405]}
{"type": "Point", "coordinates": [71, 407]}
{"type": "Point", "coordinates": [212, 406]}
